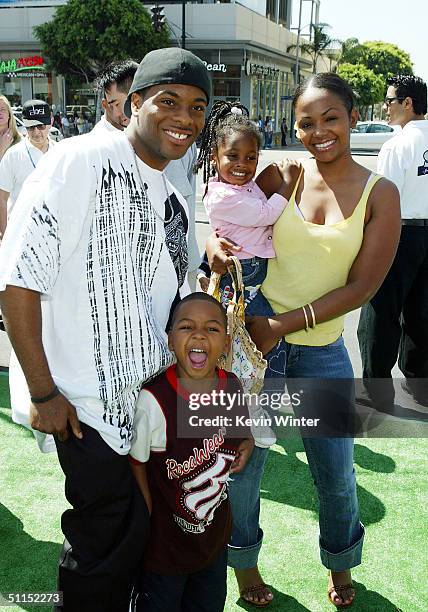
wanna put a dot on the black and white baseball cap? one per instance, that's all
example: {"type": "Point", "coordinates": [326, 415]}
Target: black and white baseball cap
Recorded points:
{"type": "Point", "coordinates": [36, 112]}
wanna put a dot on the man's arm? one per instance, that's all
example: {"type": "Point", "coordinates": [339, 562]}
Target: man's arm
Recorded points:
{"type": "Point", "coordinates": [4, 196]}
{"type": "Point", "coordinates": [23, 321]}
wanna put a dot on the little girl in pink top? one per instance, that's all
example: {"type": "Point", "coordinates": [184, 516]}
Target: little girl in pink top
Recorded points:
{"type": "Point", "coordinates": [236, 207]}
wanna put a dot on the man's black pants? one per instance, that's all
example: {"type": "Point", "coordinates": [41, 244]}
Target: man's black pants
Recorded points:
{"type": "Point", "coordinates": [395, 321]}
{"type": "Point", "coordinates": [106, 529]}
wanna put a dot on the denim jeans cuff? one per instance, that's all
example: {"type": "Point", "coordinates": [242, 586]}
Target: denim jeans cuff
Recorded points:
{"type": "Point", "coordinates": [351, 557]}
{"type": "Point", "coordinates": [244, 557]}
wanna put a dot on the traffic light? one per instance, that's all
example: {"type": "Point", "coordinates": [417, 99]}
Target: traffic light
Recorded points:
{"type": "Point", "coordinates": [158, 17]}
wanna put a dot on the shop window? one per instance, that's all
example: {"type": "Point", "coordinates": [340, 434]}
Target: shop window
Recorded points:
{"type": "Point", "coordinates": [223, 88]}
{"type": "Point", "coordinates": [227, 85]}
{"type": "Point", "coordinates": [11, 88]}
{"type": "Point", "coordinates": [254, 98]}
{"type": "Point", "coordinates": [42, 89]}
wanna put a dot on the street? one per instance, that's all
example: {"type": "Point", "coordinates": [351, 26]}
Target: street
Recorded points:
{"type": "Point", "coordinates": [202, 231]}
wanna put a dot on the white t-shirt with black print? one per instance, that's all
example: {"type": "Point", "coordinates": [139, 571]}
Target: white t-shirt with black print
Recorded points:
{"type": "Point", "coordinates": [109, 257]}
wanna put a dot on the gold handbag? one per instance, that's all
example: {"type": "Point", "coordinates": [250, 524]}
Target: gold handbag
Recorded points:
{"type": "Point", "coordinates": [244, 359]}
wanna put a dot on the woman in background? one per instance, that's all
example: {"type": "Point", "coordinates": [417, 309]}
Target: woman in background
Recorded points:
{"type": "Point", "coordinates": [9, 134]}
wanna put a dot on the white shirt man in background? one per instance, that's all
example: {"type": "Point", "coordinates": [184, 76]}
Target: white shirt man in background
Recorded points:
{"type": "Point", "coordinates": [15, 167]}
{"type": "Point", "coordinates": [19, 161]}
{"type": "Point", "coordinates": [114, 83]}
{"type": "Point", "coordinates": [395, 322]}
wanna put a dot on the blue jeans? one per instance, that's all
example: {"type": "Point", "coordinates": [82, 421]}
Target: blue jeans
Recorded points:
{"type": "Point", "coordinates": [253, 274]}
{"type": "Point", "coordinates": [268, 140]}
{"type": "Point", "coordinates": [330, 461]}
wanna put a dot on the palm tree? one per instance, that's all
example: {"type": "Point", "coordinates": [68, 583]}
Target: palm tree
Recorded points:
{"type": "Point", "coordinates": [320, 43]}
{"type": "Point", "coordinates": [350, 51]}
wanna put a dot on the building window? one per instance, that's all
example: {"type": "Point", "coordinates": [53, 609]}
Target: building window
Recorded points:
{"type": "Point", "coordinates": [284, 7]}
{"type": "Point", "coordinates": [227, 86]}
{"type": "Point", "coordinates": [271, 9]}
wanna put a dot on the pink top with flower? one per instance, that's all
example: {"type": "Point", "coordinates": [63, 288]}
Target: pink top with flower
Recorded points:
{"type": "Point", "coordinates": [243, 214]}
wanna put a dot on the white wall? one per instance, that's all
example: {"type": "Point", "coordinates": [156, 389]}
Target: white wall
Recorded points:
{"type": "Point", "coordinates": [228, 22]}
{"type": "Point", "coordinates": [16, 26]}
{"type": "Point", "coordinates": [259, 6]}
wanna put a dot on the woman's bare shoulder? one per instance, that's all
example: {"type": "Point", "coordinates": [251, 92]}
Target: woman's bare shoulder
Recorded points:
{"type": "Point", "coordinates": [384, 190]}
{"type": "Point", "coordinates": [384, 200]}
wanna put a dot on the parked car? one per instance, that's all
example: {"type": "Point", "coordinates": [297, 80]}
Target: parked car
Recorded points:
{"type": "Point", "coordinates": [371, 135]}
{"type": "Point", "coordinates": [54, 133]}
{"type": "Point", "coordinates": [87, 111]}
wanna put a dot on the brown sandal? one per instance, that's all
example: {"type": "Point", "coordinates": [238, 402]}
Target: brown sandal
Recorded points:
{"type": "Point", "coordinates": [340, 589]}
{"type": "Point", "coordinates": [257, 589]}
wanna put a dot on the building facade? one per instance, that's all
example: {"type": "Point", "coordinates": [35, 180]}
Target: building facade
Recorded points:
{"type": "Point", "coordinates": [23, 71]}
{"type": "Point", "coordinates": [244, 45]}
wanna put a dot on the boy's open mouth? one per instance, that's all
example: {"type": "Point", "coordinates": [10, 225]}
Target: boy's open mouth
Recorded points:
{"type": "Point", "coordinates": [198, 358]}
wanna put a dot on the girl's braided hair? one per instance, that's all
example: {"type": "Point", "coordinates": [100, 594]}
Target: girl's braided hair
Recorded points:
{"type": "Point", "coordinates": [224, 119]}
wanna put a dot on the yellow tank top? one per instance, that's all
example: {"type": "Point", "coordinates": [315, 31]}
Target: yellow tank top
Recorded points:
{"type": "Point", "coordinates": [311, 260]}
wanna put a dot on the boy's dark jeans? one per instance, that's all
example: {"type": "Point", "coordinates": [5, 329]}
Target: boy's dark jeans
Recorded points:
{"type": "Point", "coordinates": [203, 591]}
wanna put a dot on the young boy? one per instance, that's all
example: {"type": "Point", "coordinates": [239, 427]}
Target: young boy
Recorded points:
{"type": "Point", "coordinates": [183, 479]}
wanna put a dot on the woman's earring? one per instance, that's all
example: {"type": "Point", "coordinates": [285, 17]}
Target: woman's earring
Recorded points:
{"type": "Point", "coordinates": [213, 169]}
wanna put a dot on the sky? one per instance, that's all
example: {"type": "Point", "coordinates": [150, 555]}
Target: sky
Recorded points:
{"type": "Point", "coordinates": [402, 23]}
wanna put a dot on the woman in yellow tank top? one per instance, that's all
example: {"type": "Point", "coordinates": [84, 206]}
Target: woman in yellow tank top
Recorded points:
{"type": "Point", "coordinates": [334, 244]}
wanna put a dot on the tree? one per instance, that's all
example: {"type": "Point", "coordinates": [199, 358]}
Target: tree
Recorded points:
{"type": "Point", "coordinates": [320, 44]}
{"type": "Point", "coordinates": [350, 51]}
{"type": "Point", "coordinates": [385, 59]}
{"type": "Point", "coordinates": [380, 57]}
{"type": "Point", "coordinates": [368, 86]}
{"type": "Point", "coordinates": [86, 35]}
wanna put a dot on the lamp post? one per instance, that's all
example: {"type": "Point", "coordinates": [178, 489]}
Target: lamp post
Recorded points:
{"type": "Point", "coordinates": [314, 4]}
{"type": "Point", "coordinates": [183, 24]}
{"type": "Point", "coordinates": [299, 28]}
{"type": "Point", "coordinates": [296, 70]}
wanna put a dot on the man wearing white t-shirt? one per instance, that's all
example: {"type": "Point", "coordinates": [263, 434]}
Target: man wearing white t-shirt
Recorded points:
{"type": "Point", "coordinates": [91, 265]}
{"type": "Point", "coordinates": [395, 322]}
{"type": "Point", "coordinates": [19, 161]}
{"type": "Point", "coordinates": [114, 83]}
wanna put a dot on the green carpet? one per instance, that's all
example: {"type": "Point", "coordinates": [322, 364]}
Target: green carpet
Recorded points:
{"type": "Point", "coordinates": [392, 488]}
